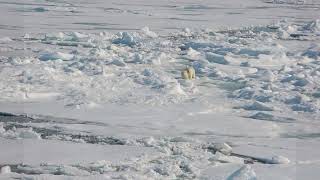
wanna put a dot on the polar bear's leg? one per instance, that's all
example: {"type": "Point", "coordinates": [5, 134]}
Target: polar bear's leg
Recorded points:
{"type": "Point", "coordinates": [191, 73]}
{"type": "Point", "coordinates": [185, 74]}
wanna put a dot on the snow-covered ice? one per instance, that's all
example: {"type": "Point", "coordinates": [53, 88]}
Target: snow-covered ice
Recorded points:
{"type": "Point", "coordinates": [93, 90]}
{"type": "Point", "coordinates": [5, 169]}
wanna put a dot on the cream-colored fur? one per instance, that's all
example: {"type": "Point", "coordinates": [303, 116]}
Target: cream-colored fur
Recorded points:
{"type": "Point", "coordinates": [191, 72]}
{"type": "Point", "coordinates": [188, 73]}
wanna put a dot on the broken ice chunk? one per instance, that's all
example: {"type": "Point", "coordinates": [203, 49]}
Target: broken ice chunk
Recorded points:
{"type": "Point", "coordinates": [5, 170]}
{"type": "Point", "coordinates": [244, 173]}
{"type": "Point", "coordinates": [56, 56]}
{"type": "Point", "coordinates": [216, 58]}
{"type": "Point", "coordinates": [224, 148]}
{"type": "Point", "coordinates": [258, 106]}
{"type": "Point", "coordinates": [279, 160]}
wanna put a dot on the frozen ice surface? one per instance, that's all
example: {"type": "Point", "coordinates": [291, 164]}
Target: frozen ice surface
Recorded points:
{"type": "Point", "coordinates": [93, 90]}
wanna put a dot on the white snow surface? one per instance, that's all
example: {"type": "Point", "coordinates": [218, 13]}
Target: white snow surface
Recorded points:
{"type": "Point", "coordinates": [93, 89]}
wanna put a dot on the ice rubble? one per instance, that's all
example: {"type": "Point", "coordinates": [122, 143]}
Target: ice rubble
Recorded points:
{"type": "Point", "coordinates": [112, 67]}
{"type": "Point", "coordinates": [18, 133]}
{"type": "Point", "coordinates": [313, 26]}
{"type": "Point", "coordinates": [176, 157]}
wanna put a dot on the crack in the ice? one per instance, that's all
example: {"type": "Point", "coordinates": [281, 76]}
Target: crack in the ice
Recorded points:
{"type": "Point", "coordinates": [47, 133]}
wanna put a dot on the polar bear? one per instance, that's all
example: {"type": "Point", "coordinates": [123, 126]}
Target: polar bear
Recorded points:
{"type": "Point", "coordinates": [188, 73]}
